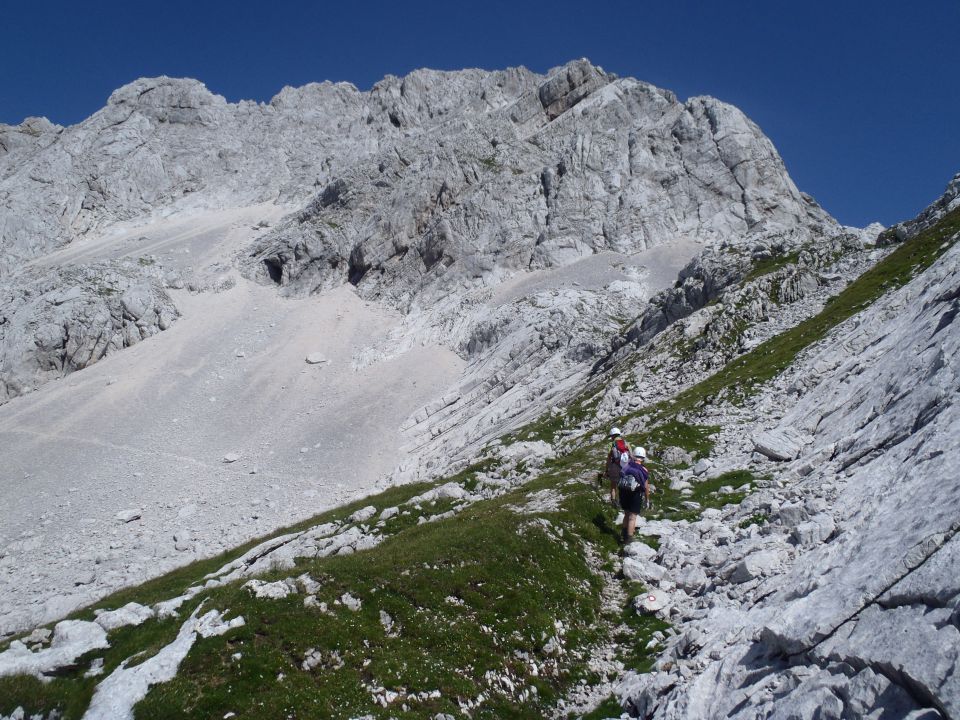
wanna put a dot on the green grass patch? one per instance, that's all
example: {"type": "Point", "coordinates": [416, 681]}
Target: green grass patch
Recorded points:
{"type": "Point", "coordinates": [769, 265]}
{"type": "Point", "coordinates": [609, 708]}
{"type": "Point", "coordinates": [550, 423]}
{"type": "Point", "coordinates": [490, 162]}
{"type": "Point", "coordinates": [695, 439]}
{"type": "Point", "coordinates": [480, 592]}
{"type": "Point", "coordinates": [755, 519]}
{"type": "Point", "coordinates": [668, 503]}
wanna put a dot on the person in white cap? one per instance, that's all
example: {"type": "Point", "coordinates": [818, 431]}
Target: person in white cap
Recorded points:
{"type": "Point", "coordinates": [616, 460]}
{"type": "Point", "coordinates": [634, 492]}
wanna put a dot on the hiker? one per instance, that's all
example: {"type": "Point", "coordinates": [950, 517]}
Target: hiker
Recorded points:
{"type": "Point", "coordinates": [634, 492]}
{"type": "Point", "coordinates": [616, 461]}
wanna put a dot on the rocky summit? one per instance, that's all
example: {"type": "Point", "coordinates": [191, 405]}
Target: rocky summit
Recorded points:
{"type": "Point", "coordinates": [302, 407]}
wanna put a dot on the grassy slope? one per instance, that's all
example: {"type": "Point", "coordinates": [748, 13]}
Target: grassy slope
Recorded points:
{"type": "Point", "coordinates": [511, 579]}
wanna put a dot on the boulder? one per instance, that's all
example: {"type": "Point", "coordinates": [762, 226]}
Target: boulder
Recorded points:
{"type": "Point", "coordinates": [691, 579]}
{"type": "Point", "coordinates": [271, 590]}
{"type": "Point", "coordinates": [780, 444]}
{"type": "Point", "coordinates": [363, 514]}
{"type": "Point", "coordinates": [755, 565]}
{"type": "Point", "coordinates": [127, 516]}
{"type": "Point", "coordinates": [675, 456]}
{"type": "Point", "coordinates": [642, 570]}
{"type": "Point", "coordinates": [130, 614]}
{"type": "Point", "coordinates": [651, 602]}
{"type": "Point", "coordinates": [639, 550]}
{"type": "Point", "coordinates": [814, 531]}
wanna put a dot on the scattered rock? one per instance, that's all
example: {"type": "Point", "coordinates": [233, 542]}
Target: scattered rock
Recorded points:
{"type": "Point", "coordinates": [755, 565]}
{"type": "Point", "coordinates": [702, 466]}
{"type": "Point", "coordinates": [350, 602]}
{"type": "Point", "coordinates": [271, 590]}
{"type": "Point", "coordinates": [127, 516]}
{"type": "Point", "coordinates": [363, 514]}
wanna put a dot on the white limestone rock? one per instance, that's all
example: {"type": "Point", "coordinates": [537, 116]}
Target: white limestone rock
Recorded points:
{"type": "Point", "coordinates": [128, 516]}
{"type": "Point", "coordinates": [639, 550]}
{"type": "Point", "coordinates": [57, 320]}
{"type": "Point", "coordinates": [652, 602]}
{"type": "Point", "coordinates": [271, 590]}
{"type": "Point", "coordinates": [642, 570]}
{"type": "Point", "coordinates": [130, 614]}
{"type": "Point", "coordinates": [755, 565]}
{"type": "Point", "coordinates": [351, 602]}
{"type": "Point", "coordinates": [814, 531]}
{"type": "Point", "coordinates": [115, 696]}
{"type": "Point", "coordinates": [779, 444]}
{"type": "Point", "coordinates": [363, 514]}
{"type": "Point", "coordinates": [71, 639]}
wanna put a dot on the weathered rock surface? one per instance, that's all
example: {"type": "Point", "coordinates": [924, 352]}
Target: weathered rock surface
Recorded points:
{"type": "Point", "coordinates": [71, 639]}
{"type": "Point", "coordinates": [949, 201]}
{"type": "Point", "coordinates": [60, 320]}
{"type": "Point", "coordinates": [780, 444]}
{"type": "Point", "coordinates": [852, 611]}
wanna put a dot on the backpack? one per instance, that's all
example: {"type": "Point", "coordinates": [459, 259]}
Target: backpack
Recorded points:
{"type": "Point", "coordinates": [629, 480]}
{"type": "Point", "coordinates": [620, 449]}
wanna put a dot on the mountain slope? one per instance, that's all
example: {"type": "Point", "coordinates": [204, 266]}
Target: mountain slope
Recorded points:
{"type": "Point", "coordinates": [488, 262]}
{"type": "Point", "coordinates": [460, 246]}
{"type": "Point", "coordinates": [776, 591]}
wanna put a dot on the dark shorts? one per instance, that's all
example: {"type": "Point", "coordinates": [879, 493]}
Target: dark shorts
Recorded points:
{"type": "Point", "coordinates": [631, 500]}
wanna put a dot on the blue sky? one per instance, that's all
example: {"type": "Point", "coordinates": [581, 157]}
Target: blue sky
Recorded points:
{"type": "Point", "coordinates": [861, 98]}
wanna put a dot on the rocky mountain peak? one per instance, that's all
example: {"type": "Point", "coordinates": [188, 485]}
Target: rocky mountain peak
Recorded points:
{"type": "Point", "coordinates": [163, 91]}
{"type": "Point", "coordinates": [167, 100]}
{"type": "Point", "coordinates": [574, 82]}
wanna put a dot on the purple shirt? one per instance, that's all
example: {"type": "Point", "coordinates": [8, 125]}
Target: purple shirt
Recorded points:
{"type": "Point", "coordinates": [638, 471]}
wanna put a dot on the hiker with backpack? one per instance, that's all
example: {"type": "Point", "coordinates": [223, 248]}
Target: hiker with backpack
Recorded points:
{"type": "Point", "coordinates": [616, 461]}
{"type": "Point", "coordinates": [634, 492]}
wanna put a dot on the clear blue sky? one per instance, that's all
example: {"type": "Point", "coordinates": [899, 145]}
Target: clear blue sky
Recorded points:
{"type": "Point", "coordinates": [862, 98]}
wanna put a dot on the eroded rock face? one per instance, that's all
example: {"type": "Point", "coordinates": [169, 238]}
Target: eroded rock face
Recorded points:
{"type": "Point", "coordinates": [606, 164]}
{"type": "Point", "coordinates": [53, 322]}
{"type": "Point", "coordinates": [563, 170]}
{"type": "Point", "coordinates": [171, 143]}
{"type": "Point", "coordinates": [425, 193]}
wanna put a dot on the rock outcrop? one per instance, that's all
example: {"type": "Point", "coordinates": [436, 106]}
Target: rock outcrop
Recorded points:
{"type": "Point", "coordinates": [56, 321]}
